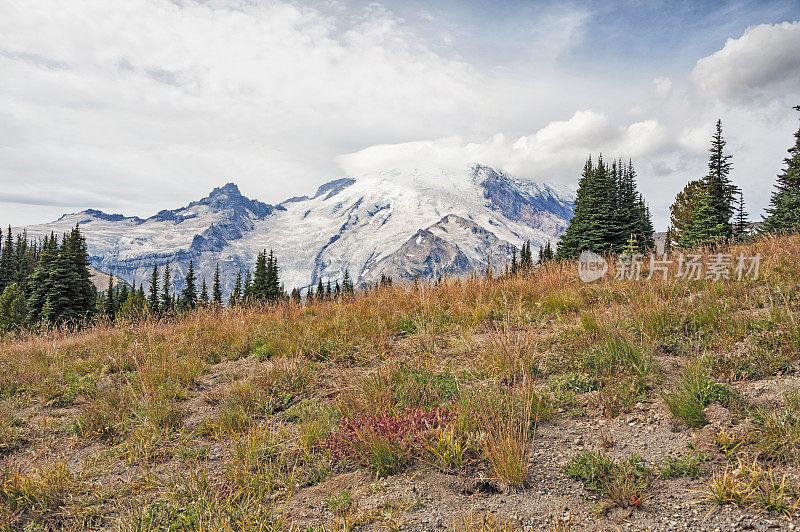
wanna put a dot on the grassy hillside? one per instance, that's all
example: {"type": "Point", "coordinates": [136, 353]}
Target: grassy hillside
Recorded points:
{"type": "Point", "coordinates": [483, 404]}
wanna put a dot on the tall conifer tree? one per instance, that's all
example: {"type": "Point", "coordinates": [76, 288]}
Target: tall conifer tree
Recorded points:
{"type": "Point", "coordinates": [167, 302]}
{"type": "Point", "coordinates": [216, 291]}
{"type": "Point", "coordinates": [152, 301]}
{"type": "Point", "coordinates": [189, 292]}
{"type": "Point", "coordinates": [783, 213]}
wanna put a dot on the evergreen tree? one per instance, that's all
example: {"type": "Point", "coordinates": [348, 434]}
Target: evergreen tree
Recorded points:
{"type": "Point", "coordinates": [328, 291]}
{"type": "Point", "coordinates": [347, 284]}
{"type": "Point", "coordinates": [152, 302]}
{"type": "Point", "coordinates": [85, 289]}
{"type": "Point", "coordinates": [122, 294]}
{"type": "Point", "coordinates": [188, 299]}
{"type": "Point", "coordinates": [514, 263]}
{"type": "Point", "coordinates": [204, 300]}
{"type": "Point", "coordinates": [109, 306]}
{"type": "Point", "coordinates": [740, 223]}
{"type": "Point", "coordinates": [546, 253]}
{"type": "Point", "coordinates": [608, 210]}
{"type": "Point", "coordinates": [7, 263]}
{"type": "Point", "coordinates": [296, 297]}
{"type": "Point", "coordinates": [71, 296]}
{"type": "Point", "coordinates": [247, 291]}
{"type": "Point", "coordinates": [274, 290]}
{"type": "Point", "coordinates": [712, 222]}
{"type": "Point", "coordinates": [526, 257]}
{"type": "Point", "coordinates": [216, 292]}
{"type": "Point", "coordinates": [23, 264]}
{"type": "Point", "coordinates": [236, 295]}
{"type": "Point", "coordinates": [41, 281]}
{"type": "Point", "coordinates": [582, 232]}
{"type": "Point", "coordinates": [684, 210]}
{"type": "Point", "coordinates": [259, 290]}
{"type": "Point", "coordinates": [320, 290]}
{"type": "Point", "coordinates": [13, 308]}
{"type": "Point", "coordinates": [783, 213]}
{"type": "Point", "coordinates": [668, 240]}
{"type": "Point", "coordinates": [337, 290]}
{"type": "Point", "coordinates": [646, 230]}
{"type": "Point", "coordinates": [135, 305]}
{"type": "Point", "coordinates": [167, 301]}
{"type": "Point", "coordinates": [631, 247]}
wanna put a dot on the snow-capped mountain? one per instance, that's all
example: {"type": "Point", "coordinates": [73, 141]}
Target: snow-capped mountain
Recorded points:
{"type": "Point", "coordinates": [402, 223]}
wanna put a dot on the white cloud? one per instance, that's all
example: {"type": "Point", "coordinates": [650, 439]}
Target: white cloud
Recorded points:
{"type": "Point", "coordinates": [147, 95]}
{"type": "Point", "coordinates": [147, 104]}
{"type": "Point", "coordinates": [662, 86]}
{"type": "Point", "coordinates": [761, 65]}
{"type": "Point", "coordinates": [554, 153]}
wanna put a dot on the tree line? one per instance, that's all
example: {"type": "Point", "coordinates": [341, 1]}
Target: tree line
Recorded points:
{"type": "Point", "coordinates": [611, 216]}
{"type": "Point", "coordinates": [48, 283]}
{"type": "Point", "coordinates": [711, 210]}
{"type": "Point", "coordinates": [261, 286]}
{"type": "Point", "coordinates": [45, 282]}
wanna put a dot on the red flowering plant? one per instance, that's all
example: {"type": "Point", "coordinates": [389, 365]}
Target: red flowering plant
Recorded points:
{"type": "Point", "coordinates": [387, 442]}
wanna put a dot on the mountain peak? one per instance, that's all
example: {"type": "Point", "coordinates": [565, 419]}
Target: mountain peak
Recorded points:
{"type": "Point", "coordinates": [229, 190]}
{"type": "Point", "coordinates": [229, 197]}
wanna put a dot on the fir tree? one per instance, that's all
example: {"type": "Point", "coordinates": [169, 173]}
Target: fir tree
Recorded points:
{"type": "Point", "coordinates": [135, 305]}
{"type": "Point", "coordinates": [216, 292]}
{"type": "Point", "coordinates": [7, 263]}
{"type": "Point", "coordinates": [41, 281]}
{"type": "Point", "coordinates": [188, 299]}
{"type": "Point", "coordinates": [13, 308]}
{"type": "Point", "coordinates": [122, 294]}
{"type": "Point", "coordinates": [546, 253]}
{"type": "Point", "coordinates": [259, 290]}
{"type": "Point", "coordinates": [109, 306]}
{"type": "Point", "coordinates": [328, 291]}
{"type": "Point", "coordinates": [296, 298]}
{"type": "Point", "coordinates": [631, 247]}
{"type": "Point", "coordinates": [167, 301]}
{"type": "Point", "coordinates": [204, 299]}
{"type": "Point", "coordinates": [526, 257]}
{"type": "Point", "coordinates": [152, 301]}
{"type": "Point", "coordinates": [783, 213]}
{"type": "Point", "coordinates": [71, 295]}
{"type": "Point", "coordinates": [668, 240]}
{"type": "Point", "coordinates": [274, 289]}
{"type": "Point", "coordinates": [608, 210]}
{"type": "Point", "coordinates": [347, 283]}
{"type": "Point", "coordinates": [740, 222]}
{"type": "Point", "coordinates": [236, 295]}
{"type": "Point", "coordinates": [514, 263]}
{"type": "Point", "coordinates": [320, 290]}
{"type": "Point", "coordinates": [712, 222]}
{"type": "Point", "coordinates": [247, 291]}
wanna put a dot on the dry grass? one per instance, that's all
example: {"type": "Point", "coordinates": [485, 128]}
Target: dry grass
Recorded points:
{"type": "Point", "coordinates": [499, 355]}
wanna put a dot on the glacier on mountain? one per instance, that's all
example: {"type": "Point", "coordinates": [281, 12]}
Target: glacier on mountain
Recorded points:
{"type": "Point", "coordinates": [418, 223]}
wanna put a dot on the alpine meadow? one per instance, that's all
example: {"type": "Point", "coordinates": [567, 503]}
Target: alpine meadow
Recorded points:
{"type": "Point", "coordinates": [550, 282]}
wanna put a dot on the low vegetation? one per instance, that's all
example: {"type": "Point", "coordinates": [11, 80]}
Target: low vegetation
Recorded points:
{"type": "Point", "coordinates": [231, 418]}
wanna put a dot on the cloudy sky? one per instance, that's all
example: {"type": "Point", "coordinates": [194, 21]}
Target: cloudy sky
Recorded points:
{"type": "Point", "coordinates": [133, 106]}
